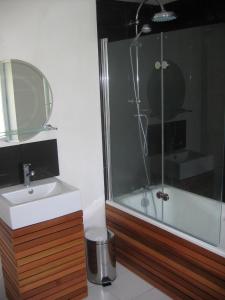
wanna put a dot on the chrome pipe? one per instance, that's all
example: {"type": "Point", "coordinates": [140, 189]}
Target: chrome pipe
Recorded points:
{"type": "Point", "coordinates": [104, 79]}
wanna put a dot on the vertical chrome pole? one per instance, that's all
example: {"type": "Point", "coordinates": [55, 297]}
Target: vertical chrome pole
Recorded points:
{"type": "Point", "coordinates": [162, 121]}
{"type": "Point", "coordinates": [162, 110]}
{"type": "Point", "coordinates": [104, 79]}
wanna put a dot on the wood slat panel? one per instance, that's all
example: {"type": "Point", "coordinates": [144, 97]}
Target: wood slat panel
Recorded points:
{"type": "Point", "coordinates": [54, 291]}
{"type": "Point", "coordinates": [181, 269]}
{"type": "Point", "coordinates": [46, 246]}
{"type": "Point", "coordinates": [47, 231]}
{"type": "Point", "coordinates": [80, 294]}
{"type": "Point", "coordinates": [172, 243]}
{"type": "Point", "coordinates": [170, 277]}
{"type": "Point", "coordinates": [10, 279]}
{"type": "Point", "coordinates": [176, 265]}
{"type": "Point", "coordinates": [47, 273]}
{"type": "Point", "coordinates": [46, 260]}
{"type": "Point", "coordinates": [167, 277]}
{"type": "Point", "coordinates": [151, 278]}
{"type": "Point", "coordinates": [48, 252]}
{"type": "Point", "coordinates": [48, 238]}
{"type": "Point", "coordinates": [51, 266]}
{"type": "Point", "coordinates": [5, 250]}
{"type": "Point", "coordinates": [9, 294]}
{"type": "Point", "coordinates": [53, 285]}
{"type": "Point", "coordinates": [67, 292]}
{"type": "Point", "coordinates": [46, 224]}
{"type": "Point", "coordinates": [5, 227]}
{"type": "Point", "coordinates": [11, 275]}
{"type": "Point", "coordinates": [51, 278]}
{"type": "Point", "coordinates": [78, 250]}
{"type": "Point", "coordinates": [11, 287]}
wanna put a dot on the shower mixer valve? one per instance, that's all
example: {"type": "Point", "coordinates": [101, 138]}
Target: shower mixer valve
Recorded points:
{"type": "Point", "coordinates": [163, 196]}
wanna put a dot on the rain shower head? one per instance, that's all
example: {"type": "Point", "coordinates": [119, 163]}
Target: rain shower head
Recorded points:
{"type": "Point", "coordinates": [164, 16]}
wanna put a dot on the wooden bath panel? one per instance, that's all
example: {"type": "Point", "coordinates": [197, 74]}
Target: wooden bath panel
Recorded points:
{"type": "Point", "coordinates": [178, 267]}
{"type": "Point", "coordinates": [46, 260]}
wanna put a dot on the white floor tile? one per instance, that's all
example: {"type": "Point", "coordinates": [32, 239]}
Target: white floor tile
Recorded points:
{"type": "Point", "coordinates": [99, 293]}
{"type": "Point", "coordinates": [153, 294]}
{"type": "Point", "coordinates": [127, 285]}
{"type": "Point", "coordinates": [90, 284]}
{"type": "Point", "coordinates": [120, 269]}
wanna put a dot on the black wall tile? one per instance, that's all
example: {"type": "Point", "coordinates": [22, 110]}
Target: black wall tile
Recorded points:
{"type": "Point", "coordinates": [113, 16]}
{"type": "Point", "coordinates": [43, 157]}
{"type": "Point", "coordinates": [174, 137]}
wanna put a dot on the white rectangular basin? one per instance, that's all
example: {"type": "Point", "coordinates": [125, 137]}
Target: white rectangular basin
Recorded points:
{"type": "Point", "coordinates": [186, 164]}
{"type": "Point", "coordinates": [44, 200]}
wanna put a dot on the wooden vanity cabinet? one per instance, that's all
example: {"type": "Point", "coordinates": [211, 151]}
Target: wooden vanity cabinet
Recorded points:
{"type": "Point", "coordinates": [45, 260]}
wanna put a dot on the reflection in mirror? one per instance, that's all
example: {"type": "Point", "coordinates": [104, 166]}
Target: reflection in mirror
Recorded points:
{"type": "Point", "coordinates": [25, 100]}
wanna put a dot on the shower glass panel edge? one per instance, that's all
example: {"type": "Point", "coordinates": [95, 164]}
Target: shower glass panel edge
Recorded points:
{"type": "Point", "coordinates": [104, 79]}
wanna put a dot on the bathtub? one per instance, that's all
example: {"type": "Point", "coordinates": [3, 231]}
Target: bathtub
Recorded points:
{"type": "Point", "coordinates": [197, 219]}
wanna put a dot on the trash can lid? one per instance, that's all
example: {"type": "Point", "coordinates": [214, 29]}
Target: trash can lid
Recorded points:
{"type": "Point", "coordinates": [98, 234]}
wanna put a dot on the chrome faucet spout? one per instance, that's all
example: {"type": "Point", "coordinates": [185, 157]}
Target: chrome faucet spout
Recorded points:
{"type": "Point", "coordinates": [27, 174]}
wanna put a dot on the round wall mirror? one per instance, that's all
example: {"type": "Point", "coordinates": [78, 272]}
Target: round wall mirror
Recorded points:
{"type": "Point", "coordinates": [25, 100]}
{"type": "Point", "coordinates": [174, 91]}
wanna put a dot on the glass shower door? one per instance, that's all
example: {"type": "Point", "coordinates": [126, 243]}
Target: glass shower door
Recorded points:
{"type": "Point", "coordinates": [135, 162]}
{"type": "Point", "coordinates": [173, 133]}
{"type": "Point", "coordinates": [194, 94]}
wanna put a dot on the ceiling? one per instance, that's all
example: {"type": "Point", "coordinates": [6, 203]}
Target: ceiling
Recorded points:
{"type": "Point", "coordinates": [153, 2]}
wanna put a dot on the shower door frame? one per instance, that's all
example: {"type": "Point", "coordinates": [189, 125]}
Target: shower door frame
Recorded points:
{"type": "Point", "coordinates": [104, 87]}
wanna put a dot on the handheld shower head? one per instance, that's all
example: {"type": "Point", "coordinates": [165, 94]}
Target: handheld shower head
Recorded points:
{"type": "Point", "coordinates": [146, 28]}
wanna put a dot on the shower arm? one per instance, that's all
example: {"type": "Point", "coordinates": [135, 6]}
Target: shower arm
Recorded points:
{"type": "Point", "coordinates": [160, 4]}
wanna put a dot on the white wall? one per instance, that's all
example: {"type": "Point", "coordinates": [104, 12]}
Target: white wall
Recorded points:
{"type": "Point", "coordinates": [60, 38]}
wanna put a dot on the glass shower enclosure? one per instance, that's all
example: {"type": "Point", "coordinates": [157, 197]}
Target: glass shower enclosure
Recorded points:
{"type": "Point", "coordinates": [164, 137]}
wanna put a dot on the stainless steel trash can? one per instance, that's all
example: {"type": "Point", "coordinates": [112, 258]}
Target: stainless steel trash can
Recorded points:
{"type": "Point", "coordinates": [100, 253]}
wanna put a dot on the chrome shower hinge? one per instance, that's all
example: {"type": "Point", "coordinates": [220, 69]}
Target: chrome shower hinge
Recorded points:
{"type": "Point", "coordinates": [134, 101]}
{"type": "Point", "coordinates": [164, 65]}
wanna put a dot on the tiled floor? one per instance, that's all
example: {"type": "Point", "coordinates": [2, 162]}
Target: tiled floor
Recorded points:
{"type": "Point", "coordinates": [127, 286]}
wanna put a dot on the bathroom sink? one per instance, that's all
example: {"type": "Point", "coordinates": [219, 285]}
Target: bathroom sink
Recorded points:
{"type": "Point", "coordinates": [44, 200]}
